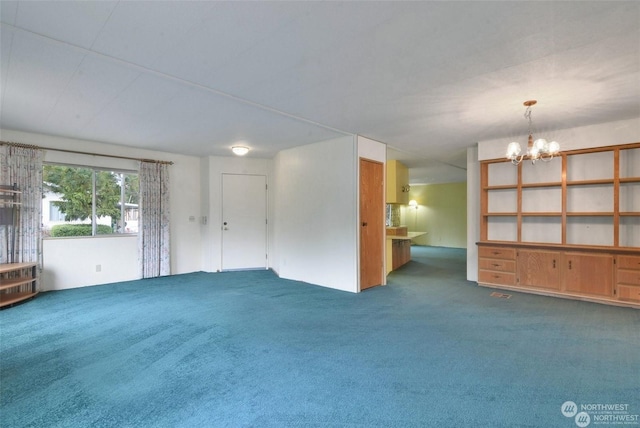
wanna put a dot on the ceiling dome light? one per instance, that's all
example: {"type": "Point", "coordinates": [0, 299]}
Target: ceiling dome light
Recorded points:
{"type": "Point", "coordinates": [240, 150]}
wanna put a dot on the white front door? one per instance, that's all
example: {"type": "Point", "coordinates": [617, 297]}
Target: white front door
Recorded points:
{"type": "Point", "coordinates": [244, 221]}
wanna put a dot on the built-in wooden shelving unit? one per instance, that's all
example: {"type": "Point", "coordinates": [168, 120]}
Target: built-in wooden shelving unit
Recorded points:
{"type": "Point", "coordinates": [561, 227]}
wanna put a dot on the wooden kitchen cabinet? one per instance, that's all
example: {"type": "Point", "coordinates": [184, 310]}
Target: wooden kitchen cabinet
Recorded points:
{"type": "Point", "coordinates": [398, 253]}
{"type": "Point", "coordinates": [397, 183]}
{"type": "Point", "coordinates": [401, 253]}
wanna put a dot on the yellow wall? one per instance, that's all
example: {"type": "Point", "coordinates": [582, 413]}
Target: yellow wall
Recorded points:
{"type": "Point", "coordinates": [442, 212]}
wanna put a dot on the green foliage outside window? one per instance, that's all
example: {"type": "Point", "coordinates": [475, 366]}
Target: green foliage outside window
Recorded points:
{"type": "Point", "coordinates": [62, 230]}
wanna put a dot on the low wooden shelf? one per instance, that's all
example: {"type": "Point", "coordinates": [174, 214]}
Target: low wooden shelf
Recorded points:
{"type": "Point", "coordinates": [18, 282]}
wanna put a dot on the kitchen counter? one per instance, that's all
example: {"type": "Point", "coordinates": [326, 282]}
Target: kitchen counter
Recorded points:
{"type": "Point", "coordinates": [398, 251]}
{"type": "Point", "coordinates": [409, 235]}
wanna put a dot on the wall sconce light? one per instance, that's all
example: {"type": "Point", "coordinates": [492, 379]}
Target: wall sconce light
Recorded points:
{"type": "Point", "coordinates": [413, 203]}
{"type": "Point", "coordinates": [240, 150]}
{"type": "Point", "coordinates": [406, 188]}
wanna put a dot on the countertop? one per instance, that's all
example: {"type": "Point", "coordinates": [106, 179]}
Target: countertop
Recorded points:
{"type": "Point", "coordinates": [409, 235]}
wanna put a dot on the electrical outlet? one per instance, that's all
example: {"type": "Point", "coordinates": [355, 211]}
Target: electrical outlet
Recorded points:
{"type": "Point", "coordinates": [98, 268]}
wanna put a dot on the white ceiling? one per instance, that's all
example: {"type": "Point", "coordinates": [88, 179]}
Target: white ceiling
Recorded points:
{"type": "Point", "coordinates": [428, 78]}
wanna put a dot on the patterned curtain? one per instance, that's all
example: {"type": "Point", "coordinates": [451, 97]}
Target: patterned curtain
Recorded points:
{"type": "Point", "coordinates": [22, 166]}
{"type": "Point", "coordinates": [153, 241]}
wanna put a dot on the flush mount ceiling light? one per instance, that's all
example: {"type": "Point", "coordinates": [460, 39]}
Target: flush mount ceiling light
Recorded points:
{"type": "Point", "coordinates": [240, 150]}
{"type": "Point", "coordinates": [538, 149]}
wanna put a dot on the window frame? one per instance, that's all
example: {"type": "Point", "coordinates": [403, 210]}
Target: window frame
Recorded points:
{"type": "Point", "coordinates": [94, 224]}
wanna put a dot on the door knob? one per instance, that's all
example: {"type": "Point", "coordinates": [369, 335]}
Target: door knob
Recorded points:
{"type": "Point", "coordinates": [364, 223]}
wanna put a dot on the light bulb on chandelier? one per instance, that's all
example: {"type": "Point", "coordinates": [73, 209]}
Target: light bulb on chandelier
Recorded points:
{"type": "Point", "coordinates": [539, 149]}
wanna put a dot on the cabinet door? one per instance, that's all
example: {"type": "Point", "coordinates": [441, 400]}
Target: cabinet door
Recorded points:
{"type": "Point", "coordinates": [589, 274]}
{"type": "Point", "coordinates": [397, 183]}
{"type": "Point", "coordinates": [539, 269]}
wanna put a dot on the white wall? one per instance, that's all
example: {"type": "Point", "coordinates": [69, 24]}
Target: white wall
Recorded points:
{"type": "Point", "coordinates": [74, 262]}
{"type": "Point", "coordinates": [316, 214]}
{"type": "Point", "coordinates": [473, 212]}
{"type": "Point", "coordinates": [212, 209]}
{"type": "Point", "coordinates": [71, 262]}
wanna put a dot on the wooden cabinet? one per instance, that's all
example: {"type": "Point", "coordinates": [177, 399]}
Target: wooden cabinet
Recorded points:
{"type": "Point", "coordinates": [539, 268]}
{"type": "Point", "coordinates": [497, 266]}
{"type": "Point", "coordinates": [569, 221]}
{"type": "Point", "coordinates": [589, 274]}
{"type": "Point", "coordinates": [585, 274]}
{"type": "Point", "coordinates": [628, 278]}
{"type": "Point", "coordinates": [397, 183]}
{"type": "Point", "coordinates": [17, 282]}
{"type": "Point", "coordinates": [398, 253]}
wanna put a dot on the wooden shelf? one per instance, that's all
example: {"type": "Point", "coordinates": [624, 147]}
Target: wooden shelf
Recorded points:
{"type": "Point", "coordinates": [589, 214]}
{"type": "Point", "coordinates": [11, 298]}
{"type": "Point", "coordinates": [18, 281]}
{"type": "Point", "coordinates": [501, 187]}
{"type": "Point", "coordinates": [541, 214]}
{"type": "Point", "coordinates": [629, 179]}
{"type": "Point", "coordinates": [15, 282]}
{"type": "Point", "coordinates": [10, 267]}
{"type": "Point", "coordinates": [500, 214]}
{"type": "Point", "coordinates": [629, 214]}
{"type": "Point", "coordinates": [590, 182]}
{"type": "Point", "coordinates": [9, 189]}
{"type": "Point", "coordinates": [549, 184]}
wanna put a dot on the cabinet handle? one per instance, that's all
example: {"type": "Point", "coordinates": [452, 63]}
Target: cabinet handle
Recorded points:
{"type": "Point", "coordinates": [495, 253]}
{"type": "Point", "coordinates": [554, 263]}
{"type": "Point", "coordinates": [495, 265]}
{"type": "Point", "coordinates": [569, 264]}
{"type": "Point", "coordinates": [496, 276]}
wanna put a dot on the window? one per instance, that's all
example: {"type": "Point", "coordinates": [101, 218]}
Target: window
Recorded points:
{"type": "Point", "coordinates": [54, 213]}
{"type": "Point", "coordinates": [85, 201]}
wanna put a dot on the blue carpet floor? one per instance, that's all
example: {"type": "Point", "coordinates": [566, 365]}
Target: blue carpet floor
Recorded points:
{"type": "Point", "coordinates": [247, 349]}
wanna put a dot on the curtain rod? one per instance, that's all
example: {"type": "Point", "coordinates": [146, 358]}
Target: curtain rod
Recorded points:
{"type": "Point", "coordinates": [30, 146]}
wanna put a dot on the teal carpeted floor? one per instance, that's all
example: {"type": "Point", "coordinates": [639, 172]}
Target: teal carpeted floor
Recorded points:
{"type": "Point", "coordinates": [248, 349]}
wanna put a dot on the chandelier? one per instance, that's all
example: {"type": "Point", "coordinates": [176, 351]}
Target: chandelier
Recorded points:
{"type": "Point", "coordinates": [538, 149]}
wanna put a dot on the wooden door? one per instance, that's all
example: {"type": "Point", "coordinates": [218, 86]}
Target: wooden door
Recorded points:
{"type": "Point", "coordinates": [539, 269]}
{"type": "Point", "coordinates": [371, 223]}
{"type": "Point", "coordinates": [589, 274]}
{"type": "Point", "coordinates": [244, 221]}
